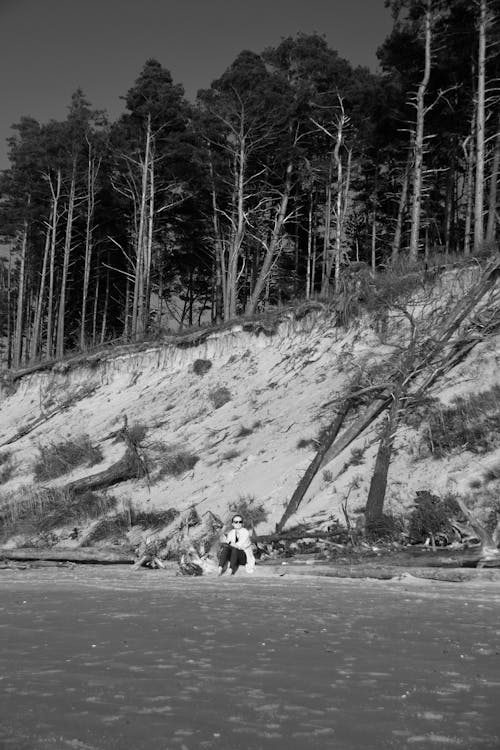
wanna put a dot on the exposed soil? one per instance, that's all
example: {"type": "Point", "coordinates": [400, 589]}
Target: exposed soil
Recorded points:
{"type": "Point", "coordinates": [108, 658]}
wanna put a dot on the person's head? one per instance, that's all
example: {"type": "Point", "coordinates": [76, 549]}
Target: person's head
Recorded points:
{"type": "Point", "coordinates": [237, 521]}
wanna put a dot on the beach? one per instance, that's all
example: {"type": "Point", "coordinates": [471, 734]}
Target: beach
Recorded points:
{"type": "Point", "coordinates": [106, 658]}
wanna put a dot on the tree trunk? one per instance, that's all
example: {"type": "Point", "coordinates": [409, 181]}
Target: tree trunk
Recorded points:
{"type": "Point", "coordinates": [220, 259]}
{"type": "Point", "coordinates": [105, 310]}
{"type": "Point", "coordinates": [50, 337]}
{"type": "Point", "coordinates": [469, 186]}
{"type": "Point", "coordinates": [314, 466]}
{"type": "Point", "coordinates": [37, 323]}
{"type": "Point", "coordinates": [273, 244]}
{"type": "Point", "coordinates": [378, 484]}
{"type": "Point", "coordinates": [19, 324]}
{"type": "Point", "coordinates": [67, 250]}
{"type": "Point", "coordinates": [492, 197]}
{"type": "Point", "coordinates": [480, 119]}
{"type": "Point", "coordinates": [309, 280]}
{"type": "Point", "coordinates": [88, 555]}
{"type": "Point", "coordinates": [419, 141]}
{"type": "Point", "coordinates": [327, 263]}
{"type": "Point", "coordinates": [138, 321]}
{"type": "Point", "coordinates": [403, 200]}
{"type": "Point", "coordinates": [91, 180]}
{"type": "Point", "coordinates": [238, 229]}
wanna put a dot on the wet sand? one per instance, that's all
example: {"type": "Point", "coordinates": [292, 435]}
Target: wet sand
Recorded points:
{"type": "Point", "coordinates": [105, 658]}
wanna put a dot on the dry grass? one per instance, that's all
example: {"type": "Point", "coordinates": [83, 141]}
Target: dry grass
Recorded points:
{"type": "Point", "coordinates": [174, 464]}
{"type": "Point", "coordinates": [58, 459]}
{"type": "Point", "coordinates": [6, 467]}
{"type": "Point", "coordinates": [34, 510]}
{"type": "Point", "coordinates": [470, 423]}
{"type": "Point", "coordinates": [153, 519]}
{"type": "Point", "coordinates": [112, 529]}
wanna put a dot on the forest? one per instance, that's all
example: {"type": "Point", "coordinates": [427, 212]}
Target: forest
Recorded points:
{"type": "Point", "coordinates": [290, 176]}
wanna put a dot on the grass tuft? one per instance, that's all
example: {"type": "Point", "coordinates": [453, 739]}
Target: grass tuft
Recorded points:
{"type": "Point", "coordinates": [175, 464]}
{"type": "Point", "coordinates": [201, 366]}
{"type": "Point", "coordinates": [219, 396]}
{"type": "Point", "coordinates": [305, 443]}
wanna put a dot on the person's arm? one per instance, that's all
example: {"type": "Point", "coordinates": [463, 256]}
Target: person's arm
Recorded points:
{"type": "Point", "coordinates": [244, 541]}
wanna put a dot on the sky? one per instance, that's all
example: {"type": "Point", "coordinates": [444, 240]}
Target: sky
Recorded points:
{"type": "Point", "coordinates": [49, 48]}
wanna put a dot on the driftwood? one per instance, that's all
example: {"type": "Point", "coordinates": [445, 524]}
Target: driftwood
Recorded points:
{"type": "Point", "coordinates": [455, 575]}
{"type": "Point", "coordinates": [490, 543]}
{"type": "Point", "coordinates": [409, 557]}
{"type": "Point", "coordinates": [89, 555]}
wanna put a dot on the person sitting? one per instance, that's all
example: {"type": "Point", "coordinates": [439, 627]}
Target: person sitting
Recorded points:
{"type": "Point", "coordinates": [236, 549]}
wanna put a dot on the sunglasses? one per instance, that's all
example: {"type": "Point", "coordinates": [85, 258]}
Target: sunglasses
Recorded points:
{"type": "Point", "coordinates": [237, 521]}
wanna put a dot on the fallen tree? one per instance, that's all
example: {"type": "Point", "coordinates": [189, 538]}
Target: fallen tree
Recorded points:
{"type": "Point", "coordinates": [432, 356]}
{"type": "Point", "coordinates": [132, 465]}
{"type": "Point", "coordinates": [89, 555]}
{"type": "Point", "coordinates": [386, 573]}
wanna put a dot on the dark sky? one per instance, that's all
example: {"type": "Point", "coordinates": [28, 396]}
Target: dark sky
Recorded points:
{"type": "Point", "coordinates": [50, 47]}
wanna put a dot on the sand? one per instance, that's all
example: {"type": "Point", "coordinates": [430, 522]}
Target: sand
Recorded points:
{"type": "Point", "coordinates": [102, 658]}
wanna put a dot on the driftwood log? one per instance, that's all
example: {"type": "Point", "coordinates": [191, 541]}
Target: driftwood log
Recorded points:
{"type": "Point", "coordinates": [386, 573]}
{"type": "Point", "coordinates": [89, 555]}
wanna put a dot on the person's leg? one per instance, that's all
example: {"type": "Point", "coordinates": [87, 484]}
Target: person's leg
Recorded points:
{"type": "Point", "coordinates": [238, 557]}
{"type": "Point", "coordinates": [224, 555]}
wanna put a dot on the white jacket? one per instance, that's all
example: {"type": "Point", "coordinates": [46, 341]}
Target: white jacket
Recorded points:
{"type": "Point", "coordinates": [244, 543]}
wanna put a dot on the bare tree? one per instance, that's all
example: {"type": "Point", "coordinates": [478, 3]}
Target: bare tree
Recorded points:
{"type": "Point", "coordinates": [67, 250]}
{"type": "Point", "coordinates": [416, 206]}
{"type": "Point", "coordinates": [342, 163]}
{"type": "Point", "coordinates": [93, 166]}
{"type": "Point", "coordinates": [19, 324]}
{"type": "Point", "coordinates": [480, 126]}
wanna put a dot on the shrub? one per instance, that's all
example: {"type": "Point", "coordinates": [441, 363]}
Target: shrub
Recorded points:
{"type": "Point", "coordinates": [137, 432]}
{"type": "Point", "coordinates": [201, 366]}
{"type": "Point", "coordinates": [230, 455]}
{"type": "Point", "coordinates": [387, 528]}
{"type": "Point", "coordinates": [113, 529]}
{"type": "Point", "coordinates": [175, 464]}
{"type": "Point", "coordinates": [357, 456]}
{"type": "Point", "coordinates": [252, 512]}
{"type": "Point", "coordinates": [431, 517]}
{"type": "Point", "coordinates": [153, 519]}
{"type": "Point", "coordinates": [219, 396]}
{"type": "Point", "coordinates": [60, 458]}
{"type": "Point", "coordinates": [304, 443]}
{"type": "Point", "coordinates": [6, 467]}
{"type": "Point", "coordinates": [327, 476]}
{"type": "Point", "coordinates": [244, 432]}
{"type": "Point", "coordinates": [470, 423]}
{"type": "Point", "coordinates": [492, 473]}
